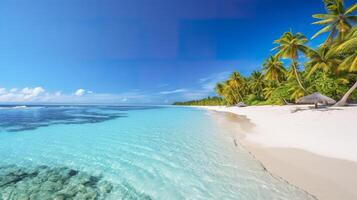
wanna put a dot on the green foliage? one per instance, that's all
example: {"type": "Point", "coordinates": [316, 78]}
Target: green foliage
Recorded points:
{"type": "Point", "coordinates": [209, 101]}
{"type": "Point", "coordinates": [323, 59]}
{"type": "Point", "coordinates": [252, 99]}
{"type": "Point", "coordinates": [280, 95]}
{"type": "Point", "coordinates": [273, 70]}
{"type": "Point", "coordinates": [331, 69]}
{"type": "Point", "coordinates": [328, 85]}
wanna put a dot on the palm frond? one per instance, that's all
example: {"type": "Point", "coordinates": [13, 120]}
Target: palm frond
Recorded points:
{"type": "Point", "coordinates": [353, 66]}
{"type": "Point", "coordinates": [322, 22]}
{"type": "Point", "coordinates": [351, 9]}
{"type": "Point", "coordinates": [323, 30]}
{"type": "Point", "coordinates": [347, 46]}
{"type": "Point", "coordinates": [322, 16]}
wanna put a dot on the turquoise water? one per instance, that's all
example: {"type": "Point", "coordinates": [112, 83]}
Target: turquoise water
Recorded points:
{"type": "Point", "coordinates": [145, 152]}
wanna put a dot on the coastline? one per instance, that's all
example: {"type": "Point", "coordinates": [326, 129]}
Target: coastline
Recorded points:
{"type": "Point", "coordinates": [286, 140]}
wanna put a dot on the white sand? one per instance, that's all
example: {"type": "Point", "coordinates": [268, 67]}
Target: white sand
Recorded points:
{"type": "Point", "coordinates": [328, 132]}
{"type": "Point", "coordinates": [325, 178]}
{"type": "Point", "coordinates": [315, 150]}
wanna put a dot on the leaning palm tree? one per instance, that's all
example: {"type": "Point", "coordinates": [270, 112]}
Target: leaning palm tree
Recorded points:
{"type": "Point", "coordinates": [348, 49]}
{"type": "Point", "coordinates": [273, 70]}
{"type": "Point", "coordinates": [224, 90]}
{"type": "Point", "coordinates": [229, 93]}
{"type": "Point", "coordinates": [289, 46]}
{"type": "Point", "coordinates": [338, 20]}
{"type": "Point", "coordinates": [322, 59]}
{"type": "Point", "coordinates": [237, 82]}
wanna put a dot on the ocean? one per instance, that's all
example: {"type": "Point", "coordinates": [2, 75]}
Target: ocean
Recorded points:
{"type": "Point", "coordinates": [128, 152]}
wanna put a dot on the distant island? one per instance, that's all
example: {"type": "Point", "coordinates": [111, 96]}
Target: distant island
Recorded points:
{"type": "Point", "coordinates": [330, 69]}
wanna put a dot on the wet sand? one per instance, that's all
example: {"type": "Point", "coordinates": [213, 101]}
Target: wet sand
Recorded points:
{"type": "Point", "coordinates": [323, 177]}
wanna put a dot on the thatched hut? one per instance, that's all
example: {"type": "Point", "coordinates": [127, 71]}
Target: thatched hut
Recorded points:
{"type": "Point", "coordinates": [241, 104]}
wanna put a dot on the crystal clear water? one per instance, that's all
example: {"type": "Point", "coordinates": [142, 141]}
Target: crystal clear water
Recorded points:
{"type": "Point", "coordinates": [146, 152]}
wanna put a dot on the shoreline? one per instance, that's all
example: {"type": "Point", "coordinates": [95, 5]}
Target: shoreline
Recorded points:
{"type": "Point", "coordinates": [325, 176]}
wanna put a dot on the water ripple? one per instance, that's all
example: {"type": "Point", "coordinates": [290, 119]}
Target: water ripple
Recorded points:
{"type": "Point", "coordinates": [172, 153]}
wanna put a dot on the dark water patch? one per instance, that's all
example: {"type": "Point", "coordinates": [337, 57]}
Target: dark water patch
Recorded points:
{"type": "Point", "coordinates": [44, 182]}
{"type": "Point", "coordinates": [29, 118]}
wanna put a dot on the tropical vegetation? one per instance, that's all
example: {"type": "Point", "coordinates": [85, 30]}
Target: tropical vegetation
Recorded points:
{"type": "Point", "coordinates": [295, 69]}
{"type": "Point", "coordinates": [209, 101]}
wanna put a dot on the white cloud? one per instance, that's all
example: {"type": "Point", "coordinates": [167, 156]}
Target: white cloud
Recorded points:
{"type": "Point", "coordinates": [80, 92]}
{"type": "Point", "coordinates": [30, 93]}
{"type": "Point", "coordinates": [26, 94]}
{"type": "Point", "coordinates": [173, 91]}
{"type": "Point", "coordinates": [38, 94]}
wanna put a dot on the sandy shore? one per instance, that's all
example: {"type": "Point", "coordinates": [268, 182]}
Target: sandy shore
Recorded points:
{"type": "Point", "coordinates": [315, 150]}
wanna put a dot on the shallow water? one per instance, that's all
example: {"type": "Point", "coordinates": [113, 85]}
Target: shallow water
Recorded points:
{"type": "Point", "coordinates": [144, 152]}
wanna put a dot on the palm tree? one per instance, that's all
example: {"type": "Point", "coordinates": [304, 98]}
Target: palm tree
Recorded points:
{"type": "Point", "coordinates": [273, 69]}
{"type": "Point", "coordinates": [289, 46]}
{"type": "Point", "coordinates": [269, 89]}
{"type": "Point", "coordinates": [224, 90]}
{"type": "Point", "coordinates": [256, 82]}
{"type": "Point", "coordinates": [290, 73]}
{"type": "Point", "coordinates": [219, 89]}
{"type": "Point", "coordinates": [229, 94]}
{"type": "Point", "coordinates": [237, 83]}
{"type": "Point", "coordinates": [348, 49]}
{"type": "Point", "coordinates": [295, 90]}
{"type": "Point", "coordinates": [322, 59]}
{"type": "Point", "coordinates": [337, 21]}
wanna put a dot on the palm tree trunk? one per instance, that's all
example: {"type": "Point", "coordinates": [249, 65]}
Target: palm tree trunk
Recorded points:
{"type": "Point", "coordinates": [240, 96]}
{"type": "Point", "coordinates": [236, 99]}
{"type": "Point", "coordinates": [343, 101]}
{"type": "Point", "coordinates": [286, 102]}
{"type": "Point", "coordinates": [233, 94]}
{"type": "Point", "coordinates": [297, 75]}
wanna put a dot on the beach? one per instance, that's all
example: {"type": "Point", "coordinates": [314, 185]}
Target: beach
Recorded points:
{"type": "Point", "coordinates": [313, 149]}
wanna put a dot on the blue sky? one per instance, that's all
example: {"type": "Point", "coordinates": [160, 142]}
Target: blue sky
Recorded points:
{"type": "Point", "coordinates": [137, 51]}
